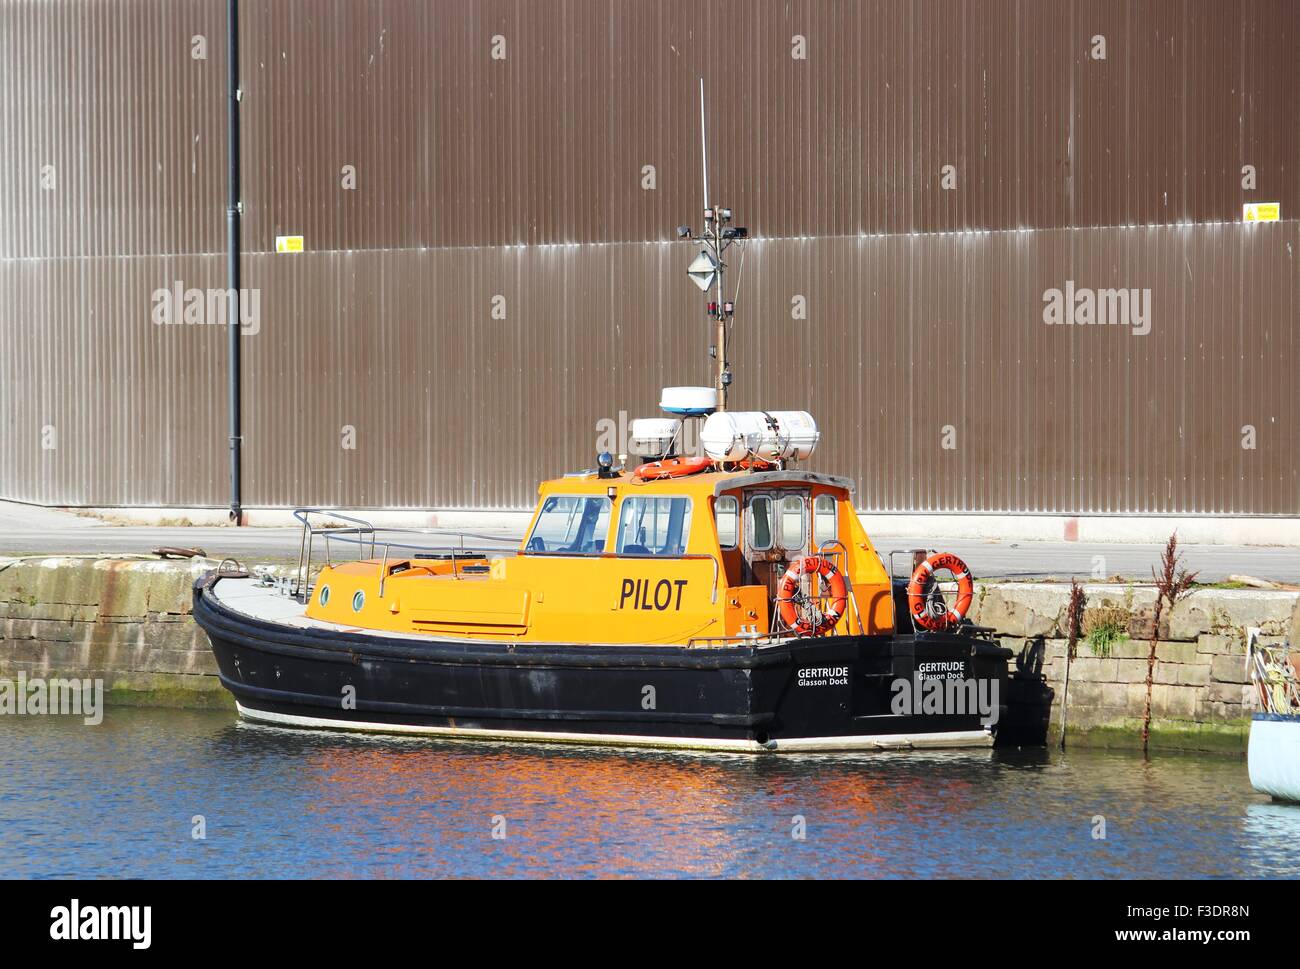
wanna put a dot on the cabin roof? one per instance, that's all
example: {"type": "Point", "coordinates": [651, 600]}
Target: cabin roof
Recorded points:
{"type": "Point", "coordinates": [708, 482]}
{"type": "Point", "coordinates": [761, 478]}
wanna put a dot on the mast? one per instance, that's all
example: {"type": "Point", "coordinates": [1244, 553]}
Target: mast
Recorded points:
{"type": "Point", "coordinates": [708, 269]}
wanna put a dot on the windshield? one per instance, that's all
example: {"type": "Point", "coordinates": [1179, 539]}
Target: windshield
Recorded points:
{"type": "Point", "coordinates": [573, 524]}
{"type": "Point", "coordinates": [654, 526]}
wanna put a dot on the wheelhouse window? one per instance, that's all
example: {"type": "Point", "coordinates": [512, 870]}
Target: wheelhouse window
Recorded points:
{"type": "Point", "coordinates": [726, 513]}
{"type": "Point", "coordinates": [792, 522]}
{"type": "Point", "coordinates": [825, 524]}
{"type": "Point", "coordinates": [572, 525]}
{"type": "Point", "coordinates": [654, 526]}
{"type": "Point", "coordinates": [760, 522]}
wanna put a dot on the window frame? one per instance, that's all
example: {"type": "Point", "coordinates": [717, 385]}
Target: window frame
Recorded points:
{"type": "Point", "coordinates": [735, 506]}
{"type": "Point", "coordinates": [684, 537]}
{"type": "Point", "coordinates": [603, 538]}
{"type": "Point", "coordinates": [817, 536]}
{"type": "Point", "coordinates": [803, 521]}
{"type": "Point", "coordinates": [749, 524]}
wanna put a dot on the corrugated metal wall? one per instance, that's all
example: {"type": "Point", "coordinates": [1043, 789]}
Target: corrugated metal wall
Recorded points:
{"type": "Point", "coordinates": [524, 178]}
{"type": "Point", "coordinates": [112, 184]}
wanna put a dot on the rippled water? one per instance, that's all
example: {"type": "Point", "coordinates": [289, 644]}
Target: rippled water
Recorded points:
{"type": "Point", "coordinates": [118, 800]}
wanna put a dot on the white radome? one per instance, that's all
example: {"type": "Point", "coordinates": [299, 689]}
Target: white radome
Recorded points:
{"type": "Point", "coordinates": [689, 401]}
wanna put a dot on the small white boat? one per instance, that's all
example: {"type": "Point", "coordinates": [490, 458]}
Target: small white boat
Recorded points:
{"type": "Point", "coordinates": [1273, 751]}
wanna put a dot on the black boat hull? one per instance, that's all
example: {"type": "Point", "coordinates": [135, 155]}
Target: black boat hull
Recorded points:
{"type": "Point", "coordinates": [831, 693]}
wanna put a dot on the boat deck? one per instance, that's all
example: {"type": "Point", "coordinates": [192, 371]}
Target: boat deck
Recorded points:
{"type": "Point", "coordinates": [257, 601]}
{"type": "Point", "coordinates": [252, 599]}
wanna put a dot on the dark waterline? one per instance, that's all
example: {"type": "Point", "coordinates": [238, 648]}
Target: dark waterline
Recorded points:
{"type": "Point", "coordinates": [117, 800]}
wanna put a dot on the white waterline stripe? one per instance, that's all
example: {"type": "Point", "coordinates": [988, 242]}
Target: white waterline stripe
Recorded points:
{"type": "Point", "coordinates": [964, 738]}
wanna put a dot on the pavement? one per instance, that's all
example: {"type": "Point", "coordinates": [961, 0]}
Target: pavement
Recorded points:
{"type": "Point", "coordinates": [28, 530]}
{"type": "Point", "coordinates": [32, 530]}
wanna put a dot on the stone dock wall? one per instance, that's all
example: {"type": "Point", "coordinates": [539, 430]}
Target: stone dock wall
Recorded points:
{"type": "Point", "coordinates": [1200, 697]}
{"type": "Point", "coordinates": [127, 622]}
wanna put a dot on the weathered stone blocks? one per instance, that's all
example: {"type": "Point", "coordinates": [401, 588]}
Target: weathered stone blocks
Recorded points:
{"type": "Point", "coordinates": [125, 621]}
{"type": "Point", "coordinates": [1200, 687]}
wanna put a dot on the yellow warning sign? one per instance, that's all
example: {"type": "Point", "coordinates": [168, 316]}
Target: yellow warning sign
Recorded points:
{"type": "Point", "coordinates": [288, 243]}
{"type": "Point", "coordinates": [1261, 212]}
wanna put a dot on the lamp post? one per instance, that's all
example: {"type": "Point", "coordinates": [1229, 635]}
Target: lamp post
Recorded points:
{"type": "Point", "coordinates": [233, 210]}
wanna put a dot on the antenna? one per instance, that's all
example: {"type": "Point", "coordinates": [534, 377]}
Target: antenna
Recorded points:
{"type": "Point", "coordinates": [707, 269]}
{"type": "Point", "coordinates": [704, 147]}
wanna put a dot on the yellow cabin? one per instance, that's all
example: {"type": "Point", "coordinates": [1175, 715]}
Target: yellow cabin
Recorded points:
{"type": "Point", "coordinates": [611, 558]}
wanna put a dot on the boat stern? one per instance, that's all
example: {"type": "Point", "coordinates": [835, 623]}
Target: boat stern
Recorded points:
{"type": "Point", "coordinates": [1273, 755]}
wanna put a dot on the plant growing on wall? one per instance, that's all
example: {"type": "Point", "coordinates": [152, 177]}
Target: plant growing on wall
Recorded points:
{"type": "Point", "coordinates": [1074, 619]}
{"type": "Point", "coordinates": [1172, 583]}
{"type": "Point", "coordinates": [1105, 626]}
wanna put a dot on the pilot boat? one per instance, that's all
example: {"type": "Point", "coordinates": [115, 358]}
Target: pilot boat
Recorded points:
{"type": "Point", "coordinates": [725, 600]}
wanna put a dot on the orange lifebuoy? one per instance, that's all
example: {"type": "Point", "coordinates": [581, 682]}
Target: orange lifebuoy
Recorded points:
{"type": "Point", "coordinates": [919, 586]}
{"type": "Point", "coordinates": [785, 596]}
{"type": "Point", "coordinates": [671, 468]}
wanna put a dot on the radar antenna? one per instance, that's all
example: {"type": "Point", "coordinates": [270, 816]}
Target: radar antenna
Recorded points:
{"type": "Point", "coordinates": [708, 267]}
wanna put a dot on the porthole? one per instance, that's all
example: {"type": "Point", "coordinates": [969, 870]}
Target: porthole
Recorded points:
{"type": "Point", "coordinates": [358, 601]}
{"type": "Point", "coordinates": [324, 596]}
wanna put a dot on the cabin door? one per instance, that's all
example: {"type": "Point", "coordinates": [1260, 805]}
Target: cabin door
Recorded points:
{"type": "Point", "coordinates": [776, 533]}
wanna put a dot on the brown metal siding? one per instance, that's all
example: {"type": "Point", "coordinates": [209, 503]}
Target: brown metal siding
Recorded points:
{"type": "Point", "coordinates": [906, 334]}
{"type": "Point", "coordinates": [133, 127]}
{"type": "Point", "coordinates": [546, 147]}
{"type": "Point", "coordinates": [522, 178]}
{"type": "Point", "coordinates": [109, 95]}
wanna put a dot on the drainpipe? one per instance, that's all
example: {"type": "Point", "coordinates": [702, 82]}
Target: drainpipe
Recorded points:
{"type": "Point", "coordinates": [233, 208]}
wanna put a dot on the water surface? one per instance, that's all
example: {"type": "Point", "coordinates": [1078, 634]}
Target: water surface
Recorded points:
{"type": "Point", "coordinates": [118, 800]}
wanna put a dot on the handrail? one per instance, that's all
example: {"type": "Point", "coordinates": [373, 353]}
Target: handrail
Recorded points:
{"type": "Point", "coordinates": [762, 639]}
{"type": "Point", "coordinates": [362, 533]}
{"type": "Point", "coordinates": [302, 576]}
{"type": "Point", "coordinates": [848, 580]}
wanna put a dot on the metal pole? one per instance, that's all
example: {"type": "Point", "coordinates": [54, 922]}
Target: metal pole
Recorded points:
{"type": "Point", "coordinates": [722, 316]}
{"type": "Point", "coordinates": [714, 229]}
{"type": "Point", "coordinates": [704, 148]}
{"type": "Point", "coordinates": [232, 235]}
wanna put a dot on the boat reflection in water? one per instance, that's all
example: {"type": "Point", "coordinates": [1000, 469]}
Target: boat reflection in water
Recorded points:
{"type": "Point", "coordinates": [1270, 833]}
{"type": "Point", "coordinates": [118, 802]}
{"type": "Point", "coordinates": [414, 808]}
{"type": "Point", "coordinates": [634, 814]}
